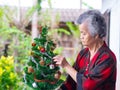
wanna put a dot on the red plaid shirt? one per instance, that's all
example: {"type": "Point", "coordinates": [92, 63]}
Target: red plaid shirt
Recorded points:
{"type": "Point", "coordinates": [97, 74]}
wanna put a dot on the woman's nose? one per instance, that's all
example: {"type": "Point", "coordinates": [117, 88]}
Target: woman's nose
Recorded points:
{"type": "Point", "coordinates": [81, 37]}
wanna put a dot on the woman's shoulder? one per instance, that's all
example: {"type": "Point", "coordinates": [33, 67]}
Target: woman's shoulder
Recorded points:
{"type": "Point", "coordinates": [83, 51]}
{"type": "Point", "coordinates": [106, 51]}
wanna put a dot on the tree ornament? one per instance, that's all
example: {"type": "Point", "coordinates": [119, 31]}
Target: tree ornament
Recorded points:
{"type": "Point", "coordinates": [42, 63]}
{"type": "Point", "coordinates": [31, 53]}
{"type": "Point", "coordinates": [52, 66]}
{"type": "Point", "coordinates": [39, 47]}
{"type": "Point", "coordinates": [57, 75]}
{"type": "Point", "coordinates": [42, 49]}
{"type": "Point", "coordinates": [30, 69]}
{"type": "Point", "coordinates": [34, 85]}
{"type": "Point", "coordinates": [33, 44]}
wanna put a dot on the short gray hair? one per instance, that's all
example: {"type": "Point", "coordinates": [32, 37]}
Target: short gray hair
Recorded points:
{"type": "Point", "coordinates": [96, 22]}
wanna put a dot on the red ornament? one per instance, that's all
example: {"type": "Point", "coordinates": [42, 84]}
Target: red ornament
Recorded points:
{"type": "Point", "coordinates": [42, 49]}
{"type": "Point", "coordinates": [33, 44]}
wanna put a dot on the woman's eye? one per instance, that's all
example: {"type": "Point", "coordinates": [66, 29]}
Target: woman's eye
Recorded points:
{"type": "Point", "coordinates": [83, 34]}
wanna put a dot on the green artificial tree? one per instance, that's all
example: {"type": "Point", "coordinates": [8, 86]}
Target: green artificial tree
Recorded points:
{"type": "Point", "coordinates": [41, 73]}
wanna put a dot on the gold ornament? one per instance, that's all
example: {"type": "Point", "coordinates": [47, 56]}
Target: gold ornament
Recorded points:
{"type": "Point", "coordinates": [39, 47]}
{"type": "Point", "coordinates": [30, 69]}
{"type": "Point", "coordinates": [42, 63]}
{"type": "Point", "coordinates": [31, 53]}
{"type": "Point", "coordinates": [33, 44]}
{"type": "Point", "coordinates": [57, 75]}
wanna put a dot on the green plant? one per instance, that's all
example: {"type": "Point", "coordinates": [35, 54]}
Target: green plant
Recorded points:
{"type": "Point", "coordinates": [3, 21]}
{"type": "Point", "coordinates": [87, 5]}
{"type": "Point", "coordinates": [8, 77]}
{"type": "Point", "coordinates": [74, 29]}
{"type": "Point", "coordinates": [18, 47]}
{"type": "Point", "coordinates": [18, 43]}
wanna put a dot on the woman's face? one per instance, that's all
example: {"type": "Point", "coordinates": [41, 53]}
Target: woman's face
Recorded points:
{"type": "Point", "coordinates": [86, 38]}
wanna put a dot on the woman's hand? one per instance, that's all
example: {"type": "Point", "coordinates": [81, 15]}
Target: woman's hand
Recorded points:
{"type": "Point", "coordinates": [60, 60]}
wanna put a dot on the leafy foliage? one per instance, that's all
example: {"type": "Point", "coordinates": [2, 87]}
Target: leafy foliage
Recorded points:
{"type": "Point", "coordinates": [18, 47]}
{"type": "Point", "coordinates": [19, 42]}
{"type": "Point", "coordinates": [74, 29]}
{"type": "Point", "coordinates": [8, 77]}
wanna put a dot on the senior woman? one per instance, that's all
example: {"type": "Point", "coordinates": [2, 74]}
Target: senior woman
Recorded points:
{"type": "Point", "coordinates": [95, 66]}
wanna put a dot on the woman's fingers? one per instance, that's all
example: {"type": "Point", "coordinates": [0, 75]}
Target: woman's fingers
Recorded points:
{"type": "Point", "coordinates": [58, 59]}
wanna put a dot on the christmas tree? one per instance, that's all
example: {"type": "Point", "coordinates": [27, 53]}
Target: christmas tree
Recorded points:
{"type": "Point", "coordinates": [41, 73]}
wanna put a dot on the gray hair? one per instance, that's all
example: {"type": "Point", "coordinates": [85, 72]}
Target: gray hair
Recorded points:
{"type": "Point", "coordinates": [96, 22]}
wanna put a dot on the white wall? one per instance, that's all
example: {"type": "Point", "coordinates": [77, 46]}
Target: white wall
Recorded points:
{"type": "Point", "coordinates": [114, 5]}
{"type": "Point", "coordinates": [115, 40]}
